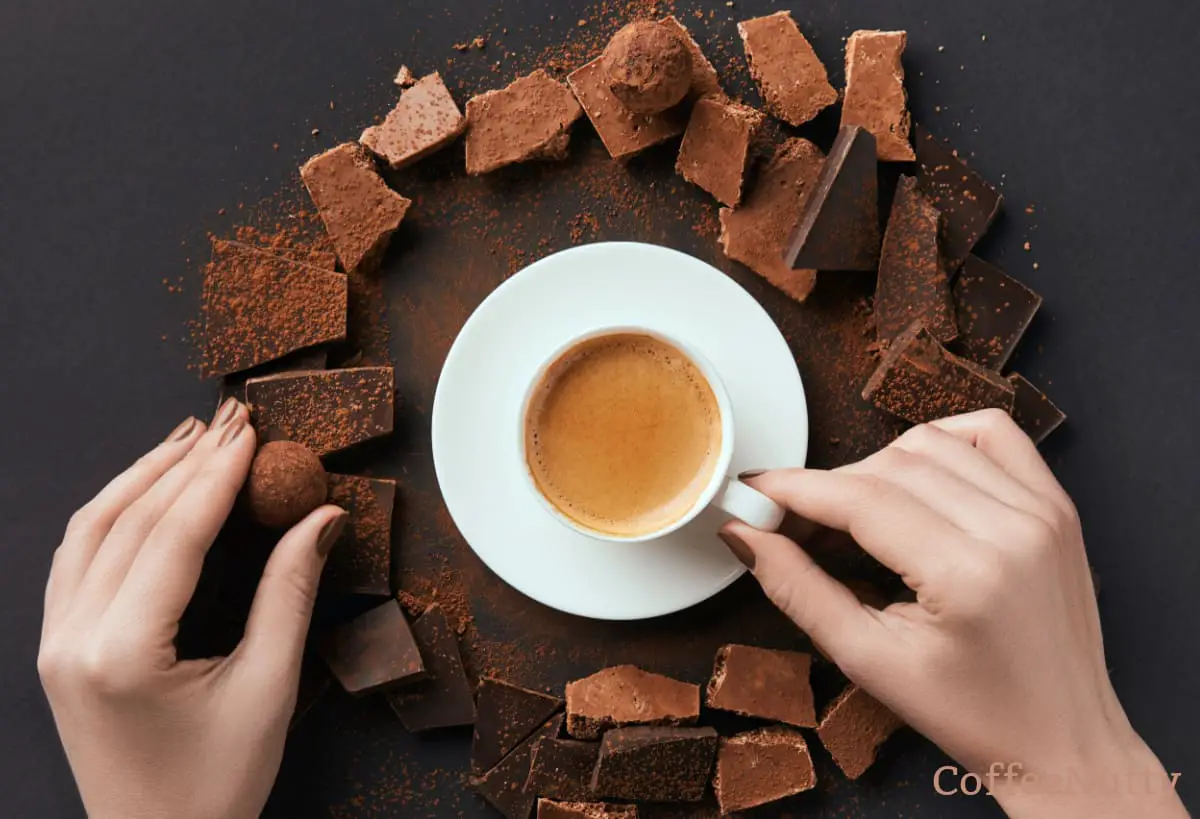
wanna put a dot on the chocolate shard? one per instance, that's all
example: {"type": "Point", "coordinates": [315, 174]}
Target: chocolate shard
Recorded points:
{"type": "Point", "coordinates": [839, 226]}
{"type": "Point", "coordinates": [853, 728]}
{"type": "Point", "coordinates": [763, 683]}
{"type": "Point", "coordinates": [527, 120]}
{"type": "Point", "coordinates": [756, 233]}
{"type": "Point", "coordinates": [361, 560]}
{"type": "Point", "coordinates": [623, 132]}
{"type": "Point", "coordinates": [326, 411]}
{"type": "Point", "coordinates": [875, 96]}
{"type": "Point", "coordinates": [763, 766]}
{"type": "Point", "coordinates": [1033, 411]}
{"type": "Point", "coordinates": [626, 695]}
{"type": "Point", "coordinates": [373, 651]}
{"type": "Point", "coordinates": [791, 77]}
{"type": "Point", "coordinates": [549, 809]}
{"type": "Point", "coordinates": [562, 769]}
{"type": "Point", "coordinates": [655, 763]}
{"type": "Point", "coordinates": [913, 282]}
{"type": "Point", "coordinates": [310, 358]}
{"type": "Point", "coordinates": [704, 76]}
{"type": "Point", "coordinates": [920, 380]}
{"type": "Point", "coordinates": [443, 699]}
{"type": "Point", "coordinates": [506, 714]}
{"type": "Point", "coordinates": [994, 310]}
{"type": "Point", "coordinates": [425, 120]}
{"type": "Point", "coordinates": [967, 202]}
{"type": "Point", "coordinates": [716, 147]}
{"type": "Point", "coordinates": [504, 785]}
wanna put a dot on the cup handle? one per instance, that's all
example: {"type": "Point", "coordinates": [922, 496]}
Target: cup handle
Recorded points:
{"type": "Point", "coordinates": [749, 505]}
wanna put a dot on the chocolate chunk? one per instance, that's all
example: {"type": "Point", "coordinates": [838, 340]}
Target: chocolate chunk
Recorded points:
{"type": "Point", "coordinates": [704, 76]}
{"type": "Point", "coordinates": [314, 684]}
{"type": "Point", "coordinates": [968, 203]}
{"type": "Point", "coordinates": [756, 233]}
{"type": "Point", "coordinates": [530, 119]}
{"type": "Point", "coordinates": [562, 769]}
{"type": "Point", "coordinates": [623, 132]}
{"type": "Point", "coordinates": [373, 651]}
{"type": "Point", "coordinates": [649, 67]}
{"type": "Point", "coordinates": [994, 310]}
{"type": "Point", "coordinates": [763, 683]}
{"type": "Point", "coordinates": [286, 482]}
{"type": "Point", "coordinates": [758, 767]}
{"type": "Point", "coordinates": [259, 307]}
{"type": "Point", "coordinates": [791, 77]}
{"type": "Point", "coordinates": [310, 358]}
{"type": "Point", "coordinates": [920, 380]}
{"type": "Point", "coordinates": [913, 282]}
{"type": "Point", "coordinates": [361, 560]}
{"type": "Point", "coordinates": [716, 147]}
{"type": "Point", "coordinates": [506, 714]}
{"type": "Point", "coordinates": [875, 97]}
{"type": "Point", "coordinates": [359, 210]}
{"type": "Point", "coordinates": [853, 728]}
{"type": "Point", "coordinates": [657, 764]}
{"type": "Point", "coordinates": [627, 695]}
{"type": "Point", "coordinates": [839, 226]}
{"type": "Point", "coordinates": [425, 120]}
{"type": "Point", "coordinates": [504, 785]}
{"type": "Point", "coordinates": [325, 411]}
{"type": "Point", "coordinates": [444, 698]}
{"type": "Point", "coordinates": [549, 809]}
{"type": "Point", "coordinates": [1033, 411]}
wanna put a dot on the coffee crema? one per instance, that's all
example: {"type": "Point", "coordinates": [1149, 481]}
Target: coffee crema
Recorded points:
{"type": "Point", "coordinates": [622, 434]}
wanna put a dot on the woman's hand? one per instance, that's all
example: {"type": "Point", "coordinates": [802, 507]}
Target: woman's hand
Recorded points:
{"type": "Point", "coordinates": [146, 735]}
{"type": "Point", "coordinates": [1000, 659]}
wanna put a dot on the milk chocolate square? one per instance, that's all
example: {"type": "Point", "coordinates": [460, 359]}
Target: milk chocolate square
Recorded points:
{"type": "Point", "coordinates": [506, 714]}
{"type": "Point", "coordinates": [716, 147]}
{"type": "Point", "coordinates": [853, 728]}
{"type": "Point", "coordinates": [627, 695]}
{"type": "Point", "coordinates": [549, 809]}
{"type": "Point", "coordinates": [529, 119]}
{"type": "Point", "coordinates": [704, 76]}
{"type": "Point", "coordinates": [425, 120]}
{"type": "Point", "coordinates": [875, 96]}
{"type": "Point", "coordinates": [361, 560]}
{"type": "Point", "coordinates": [791, 77]}
{"type": "Point", "coordinates": [967, 202]}
{"type": "Point", "coordinates": [443, 699]}
{"type": "Point", "coordinates": [655, 763]}
{"type": "Point", "coordinates": [623, 132]}
{"type": "Point", "coordinates": [504, 785]}
{"type": "Point", "coordinates": [763, 766]}
{"type": "Point", "coordinates": [1033, 411]}
{"type": "Point", "coordinates": [373, 651]}
{"type": "Point", "coordinates": [562, 769]}
{"type": "Point", "coordinates": [994, 310]}
{"type": "Point", "coordinates": [763, 683]}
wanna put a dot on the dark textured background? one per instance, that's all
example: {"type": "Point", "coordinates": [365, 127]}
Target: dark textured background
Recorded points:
{"type": "Point", "coordinates": [128, 124]}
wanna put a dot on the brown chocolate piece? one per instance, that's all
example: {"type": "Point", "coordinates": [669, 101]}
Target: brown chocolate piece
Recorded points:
{"type": "Point", "coordinates": [758, 767]}
{"type": "Point", "coordinates": [562, 769]}
{"type": "Point", "coordinates": [361, 560]}
{"type": "Point", "coordinates": [504, 785]}
{"type": "Point", "coordinates": [839, 226]}
{"type": "Point", "coordinates": [310, 358]}
{"type": "Point", "coordinates": [326, 411]}
{"type": "Point", "coordinates": [549, 809]}
{"type": "Point", "coordinates": [716, 147]}
{"type": "Point", "coordinates": [791, 77]}
{"type": "Point", "coordinates": [756, 233]}
{"type": "Point", "coordinates": [763, 683]}
{"type": "Point", "coordinates": [627, 695]}
{"type": "Point", "coordinates": [373, 651]}
{"type": "Point", "coordinates": [623, 132]}
{"type": "Point", "coordinates": [913, 282]}
{"type": "Point", "coordinates": [853, 728]}
{"type": "Point", "coordinates": [655, 763]}
{"type": "Point", "coordinates": [967, 202]}
{"type": "Point", "coordinates": [425, 120]}
{"type": "Point", "coordinates": [704, 76]}
{"type": "Point", "coordinates": [994, 310]}
{"type": "Point", "coordinates": [1033, 411]}
{"type": "Point", "coordinates": [529, 119]}
{"type": "Point", "coordinates": [506, 714]}
{"type": "Point", "coordinates": [358, 208]}
{"type": "Point", "coordinates": [259, 307]}
{"type": "Point", "coordinates": [875, 96]}
{"type": "Point", "coordinates": [286, 482]}
{"type": "Point", "coordinates": [444, 698]}
{"type": "Point", "coordinates": [649, 67]}
{"type": "Point", "coordinates": [920, 380]}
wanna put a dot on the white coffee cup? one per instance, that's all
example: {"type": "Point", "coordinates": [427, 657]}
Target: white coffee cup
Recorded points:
{"type": "Point", "coordinates": [722, 490]}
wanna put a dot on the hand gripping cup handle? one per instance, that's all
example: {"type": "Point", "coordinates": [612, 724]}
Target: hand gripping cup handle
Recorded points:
{"type": "Point", "coordinates": [749, 505]}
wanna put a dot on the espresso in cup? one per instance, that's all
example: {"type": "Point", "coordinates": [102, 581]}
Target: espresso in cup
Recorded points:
{"type": "Point", "coordinates": [623, 434]}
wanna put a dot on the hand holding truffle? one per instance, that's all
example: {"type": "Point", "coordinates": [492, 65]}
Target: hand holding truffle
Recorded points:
{"type": "Point", "coordinates": [145, 734]}
{"type": "Point", "coordinates": [1000, 659]}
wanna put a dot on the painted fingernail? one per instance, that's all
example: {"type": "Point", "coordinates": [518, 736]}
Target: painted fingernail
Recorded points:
{"type": "Point", "coordinates": [182, 431]}
{"type": "Point", "coordinates": [230, 435]}
{"type": "Point", "coordinates": [331, 533]}
{"type": "Point", "coordinates": [739, 548]}
{"type": "Point", "coordinates": [226, 412]}
{"type": "Point", "coordinates": [751, 473]}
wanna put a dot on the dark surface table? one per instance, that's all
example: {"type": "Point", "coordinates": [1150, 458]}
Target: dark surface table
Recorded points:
{"type": "Point", "coordinates": [131, 129]}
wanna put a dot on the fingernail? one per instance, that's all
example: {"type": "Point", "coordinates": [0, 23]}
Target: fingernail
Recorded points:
{"type": "Point", "coordinates": [226, 412]}
{"type": "Point", "coordinates": [230, 435]}
{"type": "Point", "coordinates": [751, 473]}
{"type": "Point", "coordinates": [331, 533]}
{"type": "Point", "coordinates": [182, 431]}
{"type": "Point", "coordinates": [739, 548]}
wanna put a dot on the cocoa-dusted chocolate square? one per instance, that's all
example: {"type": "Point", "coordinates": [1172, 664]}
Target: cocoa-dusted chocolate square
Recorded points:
{"type": "Point", "coordinates": [505, 715]}
{"type": "Point", "coordinates": [550, 809]}
{"type": "Point", "coordinates": [791, 77]}
{"type": "Point", "coordinates": [853, 728]}
{"type": "Point", "coordinates": [704, 76]}
{"type": "Point", "coordinates": [968, 203]}
{"type": "Point", "coordinates": [425, 120]}
{"type": "Point", "coordinates": [762, 766]}
{"type": "Point", "coordinates": [623, 132]}
{"type": "Point", "coordinates": [504, 785]}
{"type": "Point", "coordinates": [373, 651]}
{"type": "Point", "coordinates": [627, 695]}
{"type": "Point", "coordinates": [1032, 410]}
{"type": "Point", "coordinates": [994, 310]}
{"type": "Point", "coordinates": [443, 699]}
{"type": "Point", "coordinates": [527, 120]}
{"type": "Point", "coordinates": [562, 769]}
{"type": "Point", "coordinates": [875, 96]}
{"type": "Point", "coordinates": [716, 147]}
{"type": "Point", "coordinates": [764, 683]}
{"type": "Point", "coordinates": [361, 560]}
{"type": "Point", "coordinates": [655, 763]}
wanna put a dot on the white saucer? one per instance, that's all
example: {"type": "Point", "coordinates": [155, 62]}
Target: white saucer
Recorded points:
{"type": "Point", "coordinates": [478, 402]}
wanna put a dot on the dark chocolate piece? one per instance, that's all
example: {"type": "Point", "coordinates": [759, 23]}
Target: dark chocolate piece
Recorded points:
{"type": "Point", "coordinates": [506, 714]}
{"type": "Point", "coordinates": [655, 763]}
{"type": "Point", "coordinates": [716, 147]}
{"type": "Point", "coordinates": [968, 203]}
{"type": "Point", "coordinates": [627, 695]}
{"type": "Point", "coordinates": [425, 120]}
{"type": "Point", "coordinates": [1033, 411]}
{"type": "Point", "coordinates": [549, 809]}
{"type": "Point", "coordinates": [875, 96]}
{"type": "Point", "coordinates": [920, 380]}
{"type": "Point", "coordinates": [913, 283]}
{"type": "Point", "coordinates": [314, 684]}
{"type": "Point", "coordinates": [623, 132]}
{"type": "Point", "coordinates": [839, 227]}
{"type": "Point", "coordinates": [361, 560]}
{"type": "Point", "coordinates": [853, 728]}
{"type": "Point", "coordinates": [562, 769]}
{"type": "Point", "coordinates": [504, 785]}
{"type": "Point", "coordinates": [791, 77]}
{"type": "Point", "coordinates": [704, 76]}
{"type": "Point", "coordinates": [373, 651]}
{"type": "Point", "coordinates": [758, 767]}
{"type": "Point", "coordinates": [444, 698]}
{"type": "Point", "coordinates": [527, 120]}
{"type": "Point", "coordinates": [994, 311]}
{"type": "Point", "coordinates": [311, 358]}
{"type": "Point", "coordinates": [763, 683]}
{"type": "Point", "coordinates": [326, 411]}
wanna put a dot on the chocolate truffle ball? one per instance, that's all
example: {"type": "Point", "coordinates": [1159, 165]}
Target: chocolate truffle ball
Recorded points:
{"type": "Point", "coordinates": [286, 482]}
{"type": "Point", "coordinates": [649, 67]}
